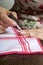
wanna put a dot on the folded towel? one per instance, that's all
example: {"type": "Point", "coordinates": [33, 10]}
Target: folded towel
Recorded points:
{"type": "Point", "coordinates": [12, 42]}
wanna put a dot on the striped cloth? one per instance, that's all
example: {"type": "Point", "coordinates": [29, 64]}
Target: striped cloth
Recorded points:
{"type": "Point", "coordinates": [12, 42]}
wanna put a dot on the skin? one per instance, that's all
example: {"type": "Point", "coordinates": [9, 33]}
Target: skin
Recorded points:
{"type": "Point", "coordinates": [5, 21]}
{"type": "Point", "coordinates": [38, 33]}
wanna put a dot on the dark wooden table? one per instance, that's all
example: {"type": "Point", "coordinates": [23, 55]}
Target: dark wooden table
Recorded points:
{"type": "Point", "coordinates": [15, 59]}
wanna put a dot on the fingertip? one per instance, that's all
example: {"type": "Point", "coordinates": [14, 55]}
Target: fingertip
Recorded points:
{"type": "Point", "coordinates": [14, 14]}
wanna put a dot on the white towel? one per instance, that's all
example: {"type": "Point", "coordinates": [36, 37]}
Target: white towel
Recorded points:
{"type": "Point", "coordinates": [11, 42]}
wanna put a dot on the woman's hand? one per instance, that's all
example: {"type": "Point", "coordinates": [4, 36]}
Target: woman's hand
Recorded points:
{"type": "Point", "coordinates": [5, 21]}
{"type": "Point", "coordinates": [38, 33]}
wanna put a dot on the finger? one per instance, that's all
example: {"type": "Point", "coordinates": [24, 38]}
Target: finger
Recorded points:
{"type": "Point", "coordinates": [38, 33]}
{"type": "Point", "coordinates": [18, 27]}
{"type": "Point", "coordinates": [25, 32]}
{"type": "Point", "coordinates": [2, 29]}
{"type": "Point", "coordinates": [14, 14]}
{"type": "Point", "coordinates": [3, 24]}
{"type": "Point", "coordinates": [8, 20]}
{"type": "Point", "coordinates": [14, 18]}
{"type": "Point", "coordinates": [4, 11]}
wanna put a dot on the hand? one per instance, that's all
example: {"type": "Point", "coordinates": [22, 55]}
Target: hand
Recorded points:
{"type": "Point", "coordinates": [5, 21]}
{"type": "Point", "coordinates": [37, 33]}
